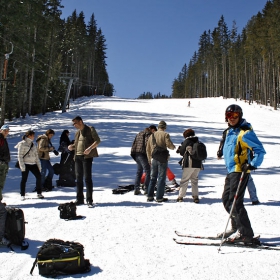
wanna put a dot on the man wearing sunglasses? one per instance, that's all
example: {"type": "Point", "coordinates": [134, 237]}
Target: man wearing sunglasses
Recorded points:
{"type": "Point", "coordinates": [240, 141]}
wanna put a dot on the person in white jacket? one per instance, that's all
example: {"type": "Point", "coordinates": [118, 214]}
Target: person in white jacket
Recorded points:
{"type": "Point", "coordinates": [29, 161]}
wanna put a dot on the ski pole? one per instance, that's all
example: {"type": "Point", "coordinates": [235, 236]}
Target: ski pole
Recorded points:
{"type": "Point", "coordinates": [231, 210]}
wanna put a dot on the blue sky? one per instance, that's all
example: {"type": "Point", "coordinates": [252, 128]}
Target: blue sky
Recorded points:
{"type": "Point", "coordinates": [149, 41]}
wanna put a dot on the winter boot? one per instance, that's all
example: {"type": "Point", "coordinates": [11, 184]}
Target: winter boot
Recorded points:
{"type": "Point", "coordinates": [229, 232]}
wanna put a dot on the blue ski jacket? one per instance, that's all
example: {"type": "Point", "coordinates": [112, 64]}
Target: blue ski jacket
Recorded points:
{"type": "Point", "coordinates": [240, 142]}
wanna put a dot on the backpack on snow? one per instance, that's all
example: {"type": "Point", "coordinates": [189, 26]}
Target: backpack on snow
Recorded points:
{"type": "Point", "coordinates": [15, 227]}
{"type": "Point", "coordinates": [58, 257]}
{"type": "Point", "coordinates": [67, 211]}
{"type": "Point", "coordinates": [123, 189]}
{"type": "Point", "coordinates": [199, 151]}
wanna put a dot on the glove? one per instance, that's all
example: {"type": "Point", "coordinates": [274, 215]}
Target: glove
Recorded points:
{"type": "Point", "coordinates": [219, 153]}
{"type": "Point", "coordinates": [246, 166]}
{"type": "Point", "coordinates": [178, 150]}
{"type": "Point", "coordinates": [56, 152]}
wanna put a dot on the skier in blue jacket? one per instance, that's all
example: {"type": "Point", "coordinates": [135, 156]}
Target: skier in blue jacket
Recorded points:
{"type": "Point", "coordinates": [240, 142]}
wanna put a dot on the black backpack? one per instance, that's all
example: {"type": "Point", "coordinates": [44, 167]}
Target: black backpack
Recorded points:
{"type": "Point", "coordinates": [199, 151]}
{"type": "Point", "coordinates": [15, 227]}
{"type": "Point", "coordinates": [58, 257]}
{"type": "Point", "coordinates": [67, 211]}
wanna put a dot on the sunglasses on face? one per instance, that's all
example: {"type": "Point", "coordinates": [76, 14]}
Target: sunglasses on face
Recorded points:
{"type": "Point", "coordinates": [232, 115]}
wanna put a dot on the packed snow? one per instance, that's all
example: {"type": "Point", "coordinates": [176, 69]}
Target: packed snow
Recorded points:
{"type": "Point", "coordinates": [126, 237]}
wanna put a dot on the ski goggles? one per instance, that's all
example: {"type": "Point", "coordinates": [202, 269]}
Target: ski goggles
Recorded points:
{"type": "Point", "coordinates": [232, 115]}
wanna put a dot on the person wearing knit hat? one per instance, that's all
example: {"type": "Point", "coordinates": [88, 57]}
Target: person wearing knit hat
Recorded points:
{"type": "Point", "coordinates": [4, 156]}
{"type": "Point", "coordinates": [191, 167]}
{"type": "Point", "coordinates": [162, 124]}
{"type": "Point", "coordinates": [160, 139]}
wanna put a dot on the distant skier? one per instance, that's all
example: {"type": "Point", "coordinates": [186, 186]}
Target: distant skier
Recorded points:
{"type": "Point", "coordinates": [239, 140]}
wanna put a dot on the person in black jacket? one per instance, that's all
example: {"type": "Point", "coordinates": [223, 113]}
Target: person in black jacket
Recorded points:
{"type": "Point", "coordinates": [191, 167]}
{"type": "Point", "coordinates": [4, 156]}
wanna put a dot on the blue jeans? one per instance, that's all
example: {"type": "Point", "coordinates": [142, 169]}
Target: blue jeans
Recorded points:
{"type": "Point", "coordinates": [158, 172]}
{"type": "Point", "coordinates": [142, 165]}
{"type": "Point", "coordinates": [83, 168]}
{"type": "Point", "coordinates": [252, 189]}
{"type": "Point", "coordinates": [46, 165]}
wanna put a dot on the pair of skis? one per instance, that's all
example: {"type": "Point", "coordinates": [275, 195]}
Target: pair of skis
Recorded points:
{"type": "Point", "coordinates": [216, 241]}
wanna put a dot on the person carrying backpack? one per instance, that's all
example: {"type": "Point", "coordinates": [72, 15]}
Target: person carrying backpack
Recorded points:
{"type": "Point", "coordinates": [158, 155]}
{"type": "Point", "coordinates": [191, 166]}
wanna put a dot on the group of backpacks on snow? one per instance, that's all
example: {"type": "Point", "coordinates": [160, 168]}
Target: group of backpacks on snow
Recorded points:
{"type": "Point", "coordinates": [242, 152]}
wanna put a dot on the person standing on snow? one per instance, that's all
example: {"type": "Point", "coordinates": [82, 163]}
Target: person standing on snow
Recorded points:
{"type": "Point", "coordinates": [191, 167]}
{"type": "Point", "coordinates": [85, 147]}
{"type": "Point", "coordinates": [240, 139]}
{"type": "Point", "coordinates": [44, 148]}
{"type": "Point", "coordinates": [4, 156]}
{"type": "Point", "coordinates": [138, 153]}
{"type": "Point", "coordinates": [250, 185]}
{"type": "Point", "coordinates": [158, 171]}
{"type": "Point", "coordinates": [29, 161]}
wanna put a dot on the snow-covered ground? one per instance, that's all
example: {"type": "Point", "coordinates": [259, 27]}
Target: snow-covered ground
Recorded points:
{"type": "Point", "coordinates": [124, 236]}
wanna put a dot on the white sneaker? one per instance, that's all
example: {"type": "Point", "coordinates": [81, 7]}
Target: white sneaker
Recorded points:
{"type": "Point", "coordinates": [5, 242]}
{"type": "Point", "coordinates": [40, 195]}
{"type": "Point", "coordinates": [22, 197]}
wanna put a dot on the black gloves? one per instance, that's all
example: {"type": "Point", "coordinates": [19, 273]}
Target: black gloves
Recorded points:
{"type": "Point", "coordinates": [220, 153]}
{"type": "Point", "coordinates": [178, 150]}
{"type": "Point", "coordinates": [246, 166]}
{"type": "Point", "coordinates": [56, 152]}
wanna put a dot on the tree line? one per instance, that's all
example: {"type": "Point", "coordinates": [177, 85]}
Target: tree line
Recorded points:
{"type": "Point", "coordinates": [232, 65]}
{"type": "Point", "coordinates": [44, 59]}
{"type": "Point", "coordinates": [149, 95]}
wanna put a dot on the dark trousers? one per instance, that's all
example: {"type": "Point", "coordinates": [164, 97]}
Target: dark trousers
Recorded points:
{"type": "Point", "coordinates": [239, 213]}
{"type": "Point", "coordinates": [83, 168]}
{"type": "Point", "coordinates": [142, 165]}
{"type": "Point", "coordinates": [33, 168]}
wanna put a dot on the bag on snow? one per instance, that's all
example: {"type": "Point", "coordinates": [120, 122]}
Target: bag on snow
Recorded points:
{"type": "Point", "coordinates": [67, 211]}
{"type": "Point", "coordinates": [160, 154]}
{"type": "Point", "coordinates": [123, 189]}
{"type": "Point", "coordinates": [58, 257]}
{"type": "Point", "coordinates": [199, 151]}
{"type": "Point", "coordinates": [15, 227]}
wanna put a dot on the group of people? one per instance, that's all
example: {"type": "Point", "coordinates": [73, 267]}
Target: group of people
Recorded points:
{"type": "Point", "coordinates": [242, 152]}
{"type": "Point", "coordinates": [36, 159]}
{"type": "Point", "coordinates": [240, 147]}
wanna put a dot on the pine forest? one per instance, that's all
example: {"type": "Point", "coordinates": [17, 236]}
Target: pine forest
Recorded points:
{"type": "Point", "coordinates": [44, 59]}
{"type": "Point", "coordinates": [232, 65]}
